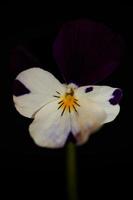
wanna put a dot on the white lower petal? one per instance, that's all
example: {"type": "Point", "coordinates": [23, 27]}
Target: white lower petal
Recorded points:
{"type": "Point", "coordinates": [49, 128]}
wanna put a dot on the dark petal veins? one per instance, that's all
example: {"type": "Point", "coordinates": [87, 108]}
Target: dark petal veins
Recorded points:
{"type": "Point", "coordinates": [117, 95]}
{"type": "Point", "coordinates": [63, 111]}
{"type": "Point", "coordinates": [19, 88]}
{"type": "Point", "coordinates": [89, 89]}
{"type": "Point", "coordinates": [87, 51]}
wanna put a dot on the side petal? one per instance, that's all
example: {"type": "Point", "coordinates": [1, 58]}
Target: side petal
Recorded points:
{"type": "Point", "coordinates": [104, 96]}
{"type": "Point", "coordinates": [89, 118]}
{"type": "Point", "coordinates": [38, 80]}
{"type": "Point", "coordinates": [49, 128]}
{"type": "Point", "coordinates": [43, 86]}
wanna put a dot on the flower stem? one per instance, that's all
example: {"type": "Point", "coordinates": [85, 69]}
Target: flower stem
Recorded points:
{"type": "Point", "coordinates": [71, 172]}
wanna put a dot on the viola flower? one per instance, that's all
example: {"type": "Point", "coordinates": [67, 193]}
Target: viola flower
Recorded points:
{"type": "Point", "coordinates": [85, 52]}
{"type": "Point", "coordinates": [58, 109]}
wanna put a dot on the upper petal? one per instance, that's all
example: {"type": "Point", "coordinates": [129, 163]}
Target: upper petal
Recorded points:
{"type": "Point", "coordinates": [87, 51]}
{"type": "Point", "coordinates": [49, 128]}
{"type": "Point", "coordinates": [43, 86]}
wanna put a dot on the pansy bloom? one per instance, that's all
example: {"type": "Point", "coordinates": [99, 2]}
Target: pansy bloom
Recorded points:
{"type": "Point", "coordinates": [59, 108]}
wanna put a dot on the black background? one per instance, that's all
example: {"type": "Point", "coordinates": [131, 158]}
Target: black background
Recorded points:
{"type": "Point", "coordinates": [105, 162]}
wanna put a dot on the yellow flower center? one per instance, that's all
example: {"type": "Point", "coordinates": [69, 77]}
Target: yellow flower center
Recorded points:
{"type": "Point", "coordinates": [68, 102]}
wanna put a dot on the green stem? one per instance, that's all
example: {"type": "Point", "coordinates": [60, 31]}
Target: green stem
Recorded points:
{"type": "Point", "coordinates": [71, 172]}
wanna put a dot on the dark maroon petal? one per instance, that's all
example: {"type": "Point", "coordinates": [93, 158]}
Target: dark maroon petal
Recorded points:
{"type": "Point", "coordinates": [117, 95]}
{"type": "Point", "coordinates": [19, 88]}
{"type": "Point", "coordinates": [21, 59]}
{"type": "Point", "coordinates": [87, 51]}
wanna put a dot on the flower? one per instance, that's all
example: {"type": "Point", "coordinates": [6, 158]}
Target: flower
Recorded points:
{"type": "Point", "coordinates": [58, 109]}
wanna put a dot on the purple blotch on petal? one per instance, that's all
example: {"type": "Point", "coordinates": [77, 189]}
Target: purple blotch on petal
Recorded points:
{"type": "Point", "coordinates": [117, 95]}
{"type": "Point", "coordinates": [89, 89]}
{"type": "Point", "coordinates": [86, 51]}
{"type": "Point", "coordinates": [19, 88]}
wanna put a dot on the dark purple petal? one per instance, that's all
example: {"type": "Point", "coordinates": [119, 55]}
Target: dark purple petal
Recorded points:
{"type": "Point", "coordinates": [117, 95]}
{"type": "Point", "coordinates": [87, 51]}
{"type": "Point", "coordinates": [21, 59]}
{"type": "Point", "coordinates": [19, 88]}
{"type": "Point", "coordinates": [89, 89]}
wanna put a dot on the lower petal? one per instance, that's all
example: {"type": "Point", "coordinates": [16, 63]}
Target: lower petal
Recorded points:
{"type": "Point", "coordinates": [49, 128]}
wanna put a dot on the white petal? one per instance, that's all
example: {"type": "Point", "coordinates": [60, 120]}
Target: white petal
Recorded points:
{"type": "Point", "coordinates": [49, 128]}
{"type": "Point", "coordinates": [29, 104]}
{"type": "Point", "coordinates": [101, 96]}
{"type": "Point", "coordinates": [42, 85]}
{"type": "Point", "coordinates": [88, 119]}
